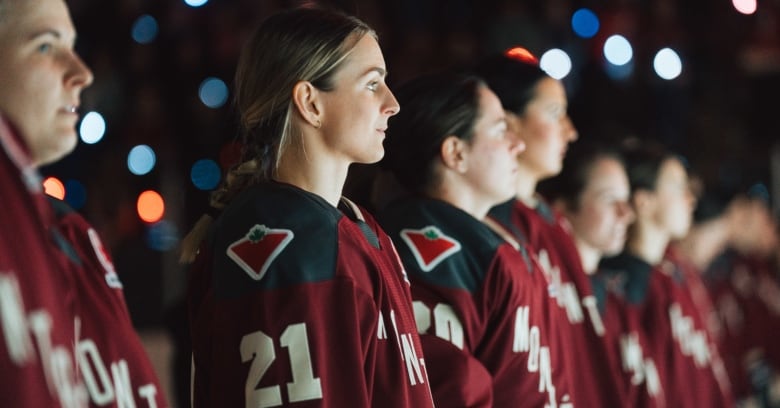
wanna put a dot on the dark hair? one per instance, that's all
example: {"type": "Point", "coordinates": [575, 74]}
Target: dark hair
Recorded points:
{"type": "Point", "coordinates": [643, 163]}
{"type": "Point", "coordinates": [513, 79]}
{"type": "Point", "coordinates": [569, 184]}
{"type": "Point", "coordinates": [435, 107]}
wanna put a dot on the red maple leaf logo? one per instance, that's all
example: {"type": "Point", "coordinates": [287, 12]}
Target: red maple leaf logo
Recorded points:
{"type": "Point", "coordinates": [429, 246]}
{"type": "Point", "coordinates": [255, 252]}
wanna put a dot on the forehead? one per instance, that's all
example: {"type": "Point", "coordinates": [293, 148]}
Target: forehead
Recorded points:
{"type": "Point", "coordinates": [606, 173]}
{"type": "Point", "coordinates": [364, 56]}
{"type": "Point", "coordinates": [672, 171]}
{"type": "Point", "coordinates": [549, 89]}
{"type": "Point", "coordinates": [23, 18]}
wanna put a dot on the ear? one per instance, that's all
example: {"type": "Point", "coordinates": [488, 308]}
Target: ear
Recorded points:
{"type": "Point", "coordinates": [454, 154]}
{"type": "Point", "coordinates": [306, 98]}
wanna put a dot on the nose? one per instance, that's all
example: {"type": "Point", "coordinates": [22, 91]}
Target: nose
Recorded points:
{"type": "Point", "coordinates": [392, 107]}
{"type": "Point", "coordinates": [569, 132]}
{"type": "Point", "coordinates": [79, 74]}
{"type": "Point", "coordinates": [626, 212]}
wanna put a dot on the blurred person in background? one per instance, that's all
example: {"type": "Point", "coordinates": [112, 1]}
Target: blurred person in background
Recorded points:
{"type": "Point", "coordinates": [62, 306]}
{"type": "Point", "coordinates": [679, 342]}
{"type": "Point", "coordinates": [536, 107]}
{"type": "Point", "coordinates": [482, 308]}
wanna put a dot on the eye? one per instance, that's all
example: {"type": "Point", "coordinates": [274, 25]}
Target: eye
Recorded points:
{"type": "Point", "coordinates": [373, 86]}
{"type": "Point", "coordinates": [45, 48]}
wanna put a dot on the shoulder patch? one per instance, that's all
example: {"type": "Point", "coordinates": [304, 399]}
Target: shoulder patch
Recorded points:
{"type": "Point", "coordinates": [429, 246]}
{"type": "Point", "coordinates": [255, 252]}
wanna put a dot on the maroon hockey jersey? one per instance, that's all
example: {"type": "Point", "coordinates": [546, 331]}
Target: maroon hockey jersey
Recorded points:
{"type": "Point", "coordinates": [547, 235]}
{"type": "Point", "coordinates": [112, 360]}
{"type": "Point", "coordinates": [295, 303]}
{"type": "Point", "coordinates": [482, 310]}
{"type": "Point", "coordinates": [37, 364]}
{"type": "Point", "coordinates": [691, 372]}
{"type": "Point", "coordinates": [622, 295]}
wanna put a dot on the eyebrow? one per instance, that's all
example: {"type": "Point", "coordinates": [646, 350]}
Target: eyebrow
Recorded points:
{"type": "Point", "coordinates": [381, 71]}
{"type": "Point", "coordinates": [49, 31]}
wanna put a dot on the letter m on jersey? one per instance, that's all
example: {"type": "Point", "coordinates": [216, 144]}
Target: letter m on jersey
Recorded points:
{"type": "Point", "coordinates": [255, 252]}
{"type": "Point", "coordinates": [429, 246]}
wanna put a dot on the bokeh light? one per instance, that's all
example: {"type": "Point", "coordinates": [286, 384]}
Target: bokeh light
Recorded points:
{"type": "Point", "coordinates": [92, 128]}
{"type": "Point", "coordinates": [667, 64]}
{"type": "Point", "coordinates": [144, 29]}
{"type": "Point", "coordinates": [556, 63]}
{"type": "Point", "coordinates": [54, 187]}
{"type": "Point", "coordinates": [162, 236]}
{"type": "Point", "coordinates": [205, 174]}
{"type": "Point", "coordinates": [75, 194]}
{"type": "Point", "coordinates": [617, 50]}
{"type": "Point", "coordinates": [195, 3]}
{"type": "Point", "coordinates": [745, 6]}
{"type": "Point", "coordinates": [213, 92]}
{"type": "Point", "coordinates": [141, 160]}
{"type": "Point", "coordinates": [585, 23]}
{"type": "Point", "coordinates": [521, 54]}
{"type": "Point", "coordinates": [151, 206]}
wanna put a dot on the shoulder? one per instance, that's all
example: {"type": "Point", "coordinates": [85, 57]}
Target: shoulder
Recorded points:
{"type": "Point", "coordinates": [441, 243]}
{"type": "Point", "coordinates": [271, 236]}
{"type": "Point", "coordinates": [627, 275]}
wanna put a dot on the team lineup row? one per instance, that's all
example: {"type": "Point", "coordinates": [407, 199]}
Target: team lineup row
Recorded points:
{"type": "Point", "coordinates": [503, 265]}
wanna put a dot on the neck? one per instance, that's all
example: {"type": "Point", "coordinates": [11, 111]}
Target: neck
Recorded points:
{"type": "Point", "coordinates": [648, 243]}
{"type": "Point", "coordinates": [461, 198]}
{"type": "Point", "coordinates": [323, 176]}
{"type": "Point", "coordinates": [589, 256]}
{"type": "Point", "coordinates": [526, 185]}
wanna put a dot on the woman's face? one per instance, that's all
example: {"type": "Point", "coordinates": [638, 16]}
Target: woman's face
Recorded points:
{"type": "Point", "coordinates": [357, 109]}
{"type": "Point", "coordinates": [604, 213]}
{"type": "Point", "coordinates": [674, 200]}
{"type": "Point", "coordinates": [41, 77]}
{"type": "Point", "coordinates": [491, 165]}
{"type": "Point", "coordinates": [546, 129]}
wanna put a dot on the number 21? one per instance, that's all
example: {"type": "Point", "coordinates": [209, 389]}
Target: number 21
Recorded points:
{"type": "Point", "coordinates": [258, 347]}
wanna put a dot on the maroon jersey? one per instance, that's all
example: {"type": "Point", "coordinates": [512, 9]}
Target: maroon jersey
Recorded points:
{"type": "Point", "coordinates": [295, 303]}
{"type": "Point", "coordinates": [746, 296]}
{"type": "Point", "coordinates": [548, 236]}
{"type": "Point", "coordinates": [622, 294]}
{"type": "Point", "coordinates": [677, 337]}
{"type": "Point", "coordinates": [37, 364]}
{"type": "Point", "coordinates": [481, 308]}
{"type": "Point", "coordinates": [112, 360]}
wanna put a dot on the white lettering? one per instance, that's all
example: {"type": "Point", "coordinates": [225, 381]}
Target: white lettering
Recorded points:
{"type": "Point", "coordinates": [412, 362]}
{"type": "Point", "coordinates": [522, 330]}
{"type": "Point", "coordinates": [591, 305]}
{"type": "Point", "coordinates": [381, 332]}
{"type": "Point", "coordinates": [124, 390]}
{"type": "Point", "coordinates": [422, 316]}
{"type": "Point", "coordinates": [13, 322]}
{"type": "Point", "coordinates": [148, 393]}
{"type": "Point", "coordinates": [100, 388]}
{"type": "Point", "coordinates": [448, 326]}
{"type": "Point", "coordinates": [570, 300]}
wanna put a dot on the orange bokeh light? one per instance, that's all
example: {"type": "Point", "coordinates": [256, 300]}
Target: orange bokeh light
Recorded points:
{"type": "Point", "coordinates": [54, 187]}
{"type": "Point", "coordinates": [522, 54]}
{"type": "Point", "coordinates": [151, 206]}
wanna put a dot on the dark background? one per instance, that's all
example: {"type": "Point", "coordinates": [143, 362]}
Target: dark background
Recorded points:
{"type": "Point", "coordinates": [721, 113]}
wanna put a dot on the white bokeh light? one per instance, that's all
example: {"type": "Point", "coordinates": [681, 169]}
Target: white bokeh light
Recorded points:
{"type": "Point", "coordinates": [556, 63]}
{"type": "Point", "coordinates": [667, 64]}
{"type": "Point", "coordinates": [745, 6]}
{"type": "Point", "coordinates": [617, 50]}
{"type": "Point", "coordinates": [92, 128]}
{"type": "Point", "coordinates": [195, 3]}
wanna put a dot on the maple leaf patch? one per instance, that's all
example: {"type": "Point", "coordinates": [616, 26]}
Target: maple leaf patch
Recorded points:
{"type": "Point", "coordinates": [429, 246]}
{"type": "Point", "coordinates": [255, 252]}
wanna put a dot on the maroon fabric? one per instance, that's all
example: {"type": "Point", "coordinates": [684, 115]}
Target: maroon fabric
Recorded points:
{"type": "Point", "coordinates": [483, 315]}
{"type": "Point", "coordinates": [37, 365]}
{"type": "Point", "coordinates": [113, 361]}
{"type": "Point", "coordinates": [548, 236]}
{"type": "Point", "coordinates": [327, 322]}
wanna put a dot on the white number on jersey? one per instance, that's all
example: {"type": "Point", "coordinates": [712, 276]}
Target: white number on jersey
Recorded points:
{"type": "Point", "coordinates": [258, 348]}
